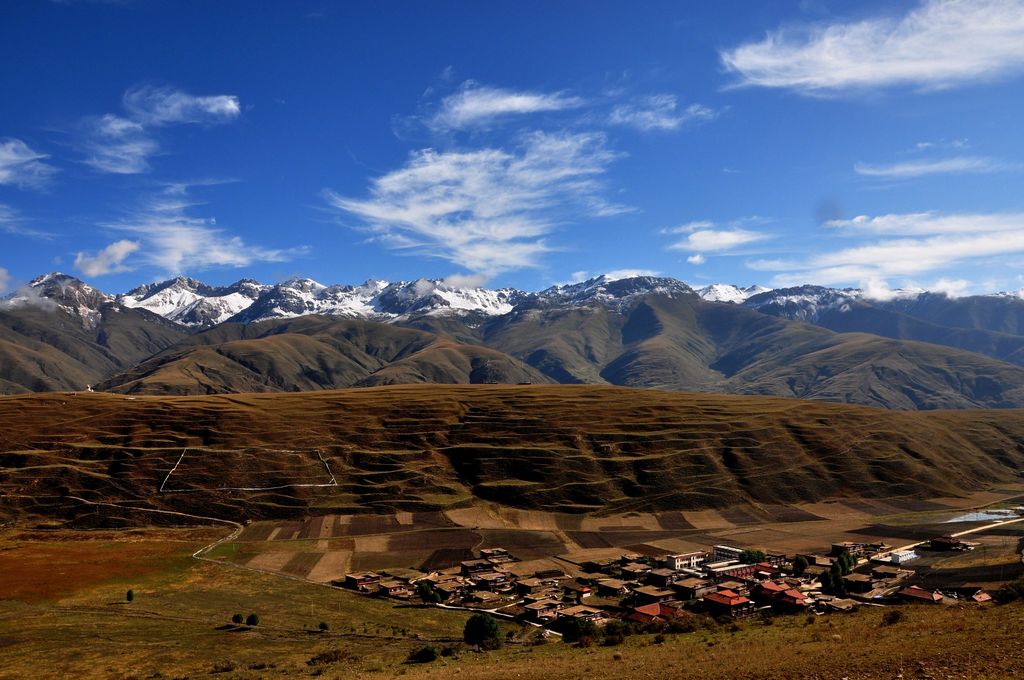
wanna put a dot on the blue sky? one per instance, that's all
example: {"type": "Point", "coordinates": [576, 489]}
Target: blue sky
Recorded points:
{"type": "Point", "coordinates": [518, 144]}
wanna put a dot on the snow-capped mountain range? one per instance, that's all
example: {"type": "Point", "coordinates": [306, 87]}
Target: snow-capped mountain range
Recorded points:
{"type": "Point", "coordinates": [194, 304]}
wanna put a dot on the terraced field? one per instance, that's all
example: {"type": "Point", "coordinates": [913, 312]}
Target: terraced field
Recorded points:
{"type": "Point", "coordinates": [580, 453]}
{"type": "Point", "coordinates": [323, 549]}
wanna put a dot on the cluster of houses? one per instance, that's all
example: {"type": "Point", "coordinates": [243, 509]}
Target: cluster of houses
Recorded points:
{"type": "Point", "coordinates": [724, 583]}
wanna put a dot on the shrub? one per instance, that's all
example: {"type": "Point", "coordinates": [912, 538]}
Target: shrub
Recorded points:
{"type": "Point", "coordinates": [800, 565]}
{"type": "Point", "coordinates": [425, 589]}
{"type": "Point", "coordinates": [617, 628]}
{"type": "Point", "coordinates": [130, 595]}
{"type": "Point", "coordinates": [752, 556]}
{"type": "Point", "coordinates": [892, 617]}
{"type": "Point", "coordinates": [224, 667]}
{"type": "Point", "coordinates": [659, 639]}
{"type": "Point", "coordinates": [482, 630]}
{"type": "Point", "coordinates": [451, 650]}
{"type": "Point", "coordinates": [329, 657]}
{"type": "Point", "coordinates": [324, 627]}
{"type": "Point", "coordinates": [237, 619]}
{"type": "Point", "coordinates": [423, 655]}
{"type": "Point", "coordinates": [613, 639]}
{"type": "Point", "coordinates": [575, 630]}
{"type": "Point", "coordinates": [252, 620]}
{"type": "Point", "coordinates": [684, 625]}
{"type": "Point", "coordinates": [1010, 592]}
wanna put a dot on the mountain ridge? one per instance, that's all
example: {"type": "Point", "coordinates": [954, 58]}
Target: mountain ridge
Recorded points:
{"type": "Point", "coordinates": [638, 331]}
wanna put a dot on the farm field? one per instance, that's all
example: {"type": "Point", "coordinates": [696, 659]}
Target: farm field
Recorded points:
{"type": "Point", "coordinates": [178, 626]}
{"type": "Point", "coordinates": [324, 549]}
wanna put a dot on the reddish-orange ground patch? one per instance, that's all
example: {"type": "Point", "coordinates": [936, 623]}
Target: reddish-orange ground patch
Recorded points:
{"type": "Point", "coordinates": [41, 570]}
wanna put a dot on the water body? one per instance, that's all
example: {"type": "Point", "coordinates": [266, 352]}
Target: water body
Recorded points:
{"type": "Point", "coordinates": [987, 516]}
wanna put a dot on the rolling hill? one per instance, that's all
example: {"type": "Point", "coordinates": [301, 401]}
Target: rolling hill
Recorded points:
{"type": "Point", "coordinates": [431, 447]}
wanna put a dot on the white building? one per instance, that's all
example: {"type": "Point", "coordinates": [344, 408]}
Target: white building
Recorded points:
{"type": "Point", "coordinates": [901, 556]}
{"type": "Point", "coordinates": [690, 560]}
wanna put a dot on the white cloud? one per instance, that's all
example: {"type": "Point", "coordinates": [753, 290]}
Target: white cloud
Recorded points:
{"type": "Point", "coordinates": [164, 106]}
{"type": "Point", "coordinates": [118, 145]}
{"type": "Point", "coordinates": [123, 145]}
{"type": "Point", "coordinates": [717, 240]}
{"type": "Point", "coordinates": [950, 287]}
{"type": "Point", "coordinates": [110, 260]}
{"type": "Point", "coordinates": [704, 237]}
{"type": "Point", "coordinates": [475, 105]}
{"type": "Point", "coordinates": [5, 280]}
{"type": "Point", "coordinates": [21, 166]}
{"type": "Point", "coordinates": [946, 166]}
{"type": "Point", "coordinates": [927, 223]}
{"type": "Point", "coordinates": [659, 112]}
{"type": "Point", "coordinates": [939, 44]}
{"type": "Point", "coordinates": [617, 274]}
{"type": "Point", "coordinates": [912, 245]}
{"type": "Point", "coordinates": [176, 242]}
{"type": "Point", "coordinates": [487, 210]}
{"type": "Point", "coordinates": [466, 280]}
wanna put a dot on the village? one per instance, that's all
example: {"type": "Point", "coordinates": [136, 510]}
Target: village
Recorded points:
{"type": "Point", "coordinates": [723, 582]}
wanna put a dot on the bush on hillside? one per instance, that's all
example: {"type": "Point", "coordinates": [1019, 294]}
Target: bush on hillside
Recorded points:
{"type": "Point", "coordinates": [482, 630]}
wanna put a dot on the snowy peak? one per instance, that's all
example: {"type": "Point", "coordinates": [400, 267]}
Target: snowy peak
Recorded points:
{"type": "Point", "coordinates": [726, 292]}
{"type": "Point", "coordinates": [613, 290]}
{"type": "Point", "coordinates": [60, 291]}
{"type": "Point", "coordinates": [193, 303]}
{"type": "Point", "coordinates": [378, 300]}
{"type": "Point", "coordinates": [805, 303]}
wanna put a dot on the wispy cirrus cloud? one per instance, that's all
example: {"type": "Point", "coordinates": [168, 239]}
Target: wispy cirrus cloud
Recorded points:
{"type": "Point", "coordinates": [118, 145]}
{"type": "Point", "coordinates": [151, 105]}
{"type": "Point", "coordinates": [939, 44]}
{"type": "Point", "coordinates": [11, 222]}
{"type": "Point", "coordinates": [487, 210]}
{"type": "Point", "coordinates": [109, 260]}
{"type": "Point", "coordinates": [961, 165]}
{"type": "Point", "coordinates": [476, 105]}
{"type": "Point", "coordinates": [659, 112]}
{"type": "Point", "coordinates": [124, 144]}
{"type": "Point", "coordinates": [23, 167]}
{"type": "Point", "coordinates": [704, 237]}
{"type": "Point", "coordinates": [905, 245]}
{"type": "Point", "coordinates": [163, 234]}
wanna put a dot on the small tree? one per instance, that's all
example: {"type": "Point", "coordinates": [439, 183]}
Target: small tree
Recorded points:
{"type": "Point", "coordinates": [800, 565]}
{"type": "Point", "coordinates": [425, 589]}
{"type": "Point", "coordinates": [826, 581]}
{"type": "Point", "coordinates": [584, 632]}
{"type": "Point", "coordinates": [130, 595]}
{"type": "Point", "coordinates": [237, 619]}
{"type": "Point", "coordinates": [482, 630]}
{"type": "Point", "coordinates": [252, 620]}
{"type": "Point", "coordinates": [324, 627]}
{"type": "Point", "coordinates": [752, 556]}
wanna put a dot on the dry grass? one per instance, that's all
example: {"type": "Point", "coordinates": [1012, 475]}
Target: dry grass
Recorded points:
{"type": "Point", "coordinates": [722, 461]}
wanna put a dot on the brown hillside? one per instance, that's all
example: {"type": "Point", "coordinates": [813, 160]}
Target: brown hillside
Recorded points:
{"type": "Point", "coordinates": [430, 447]}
